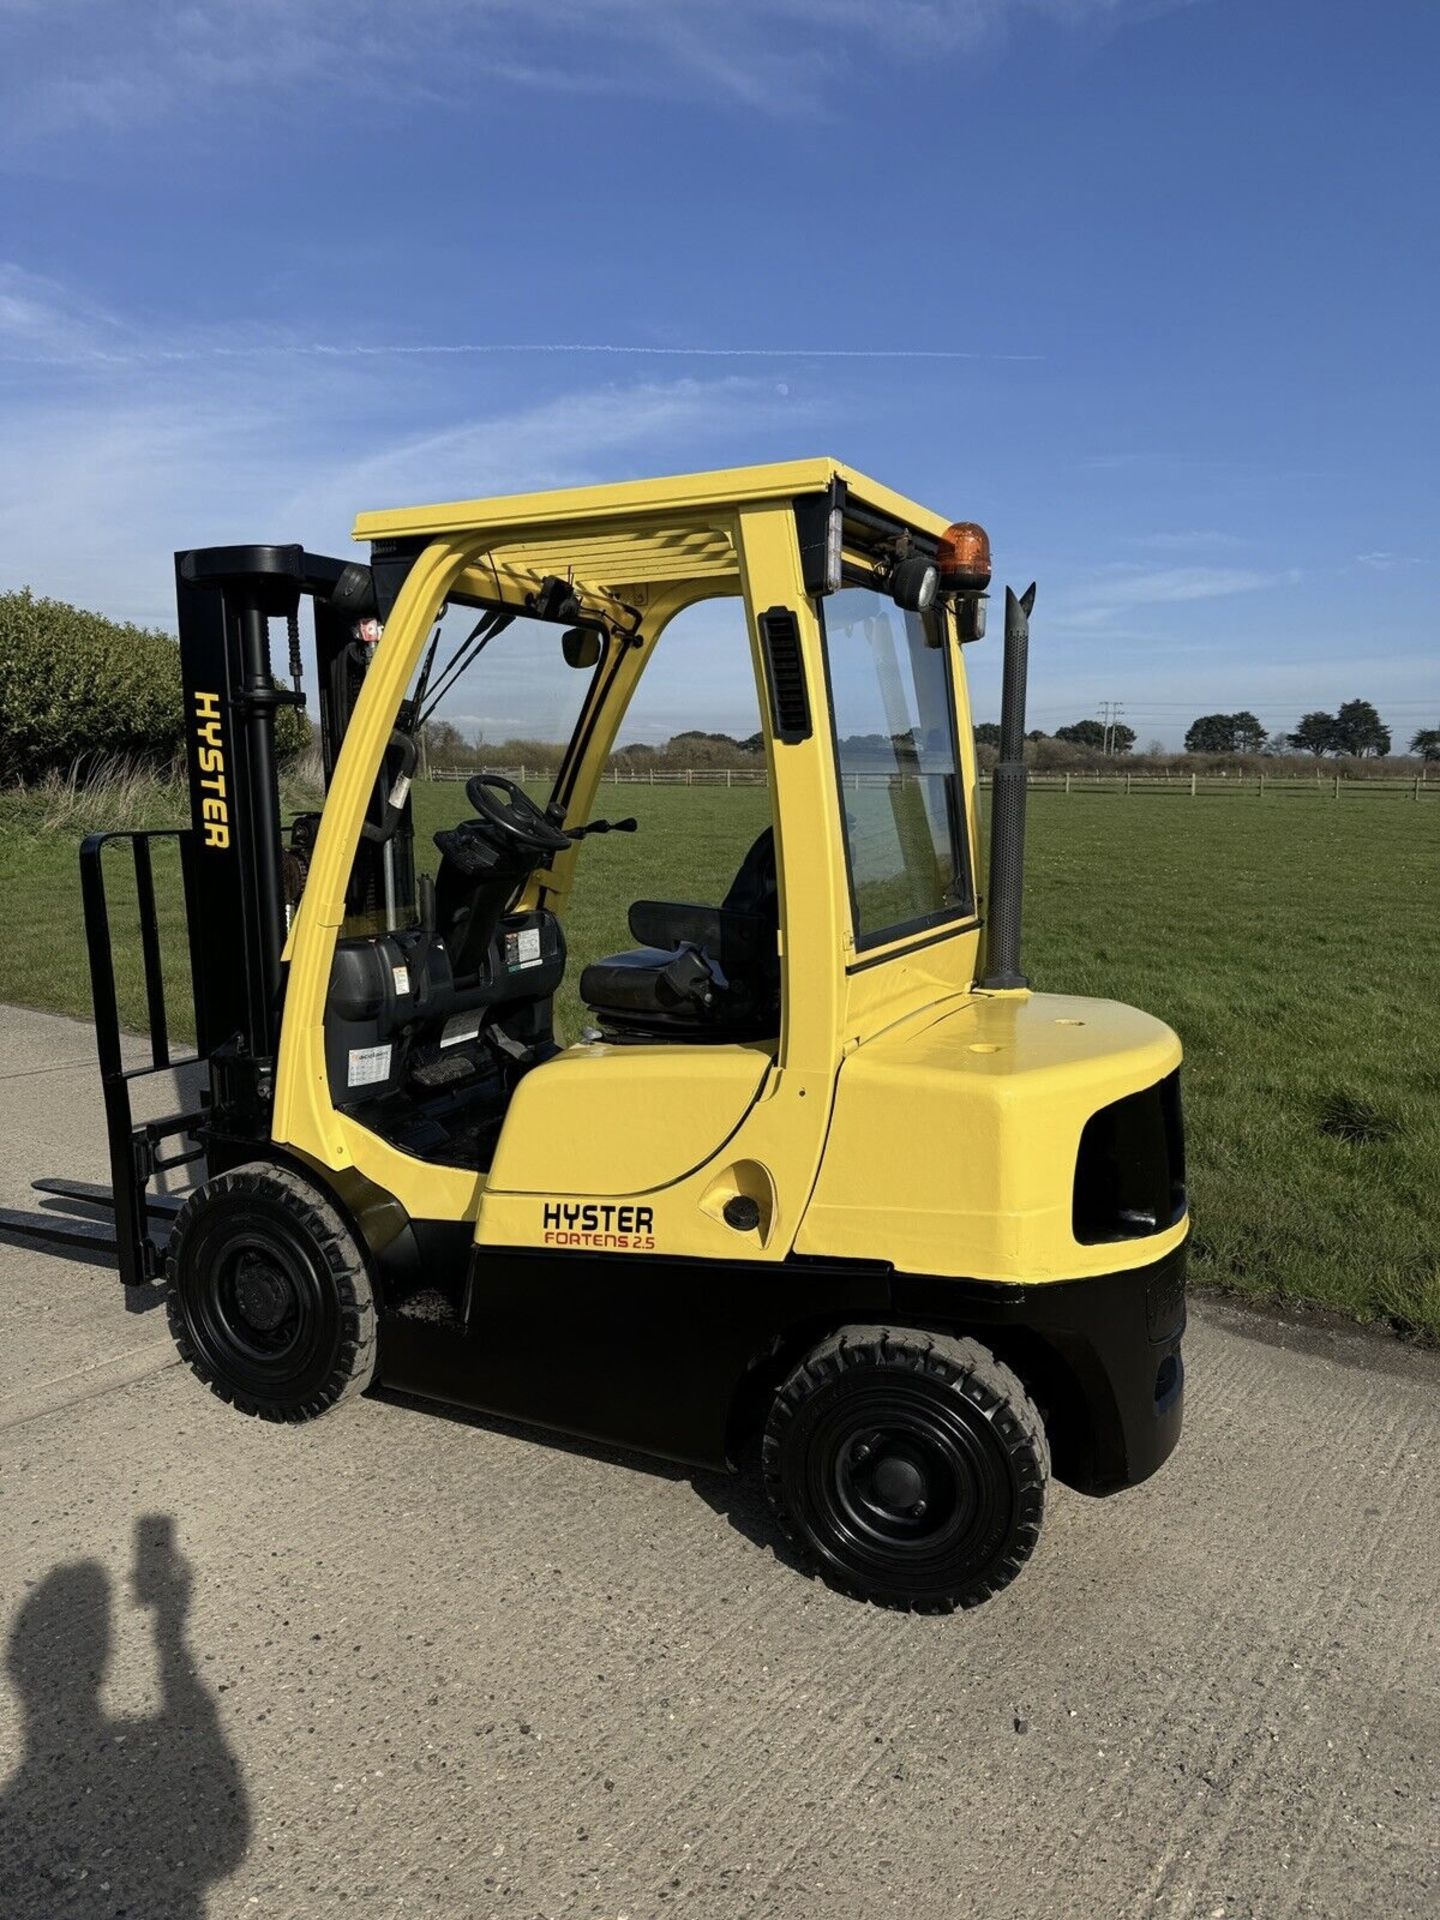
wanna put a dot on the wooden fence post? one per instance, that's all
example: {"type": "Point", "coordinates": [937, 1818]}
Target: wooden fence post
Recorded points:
{"type": "Point", "coordinates": [1067, 783]}
{"type": "Point", "coordinates": [1192, 786]}
{"type": "Point", "coordinates": [1337, 786]}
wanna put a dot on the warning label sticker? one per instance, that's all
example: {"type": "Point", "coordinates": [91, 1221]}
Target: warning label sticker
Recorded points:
{"type": "Point", "coordinates": [460, 1026]}
{"type": "Point", "coordinates": [402, 979]}
{"type": "Point", "coordinates": [368, 1066]}
{"type": "Point", "coordinates": [522, 949]}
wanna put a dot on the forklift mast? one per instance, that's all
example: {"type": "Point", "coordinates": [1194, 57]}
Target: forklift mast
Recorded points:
{"type": "Point", "coordinates": [232, 857]}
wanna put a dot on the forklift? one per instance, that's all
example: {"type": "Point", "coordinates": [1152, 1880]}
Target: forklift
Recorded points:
{"type": "Point", "coordinates": [824, 1180]}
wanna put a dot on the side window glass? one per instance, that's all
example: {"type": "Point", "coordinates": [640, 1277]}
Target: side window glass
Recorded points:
{"type": "Point", "coordinates": [896, 752]}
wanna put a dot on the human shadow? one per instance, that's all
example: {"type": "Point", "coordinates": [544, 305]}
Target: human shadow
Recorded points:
{"type": "Point", "coordinates": [115, 1818]}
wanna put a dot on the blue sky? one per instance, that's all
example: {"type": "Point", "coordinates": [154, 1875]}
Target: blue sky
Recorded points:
{"type": "Point", "coordinates": [256, 258]}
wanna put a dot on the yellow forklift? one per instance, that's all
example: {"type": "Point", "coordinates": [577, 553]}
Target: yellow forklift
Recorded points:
{"type": "Point", "coordinates": [822, 1174]}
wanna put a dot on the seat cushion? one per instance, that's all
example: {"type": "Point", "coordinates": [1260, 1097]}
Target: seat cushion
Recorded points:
{"type": "Point", "coordinates": [640, 995]}
{"type": "Point", "coordinates": [628, 982]}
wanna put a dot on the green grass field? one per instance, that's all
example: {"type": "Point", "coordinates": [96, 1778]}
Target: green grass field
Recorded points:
{"type": "Point", "coordinates": [1290, 941]}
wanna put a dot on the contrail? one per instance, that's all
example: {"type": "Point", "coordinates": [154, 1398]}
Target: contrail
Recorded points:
{"type": "Point", "coordinates": [96, 356]}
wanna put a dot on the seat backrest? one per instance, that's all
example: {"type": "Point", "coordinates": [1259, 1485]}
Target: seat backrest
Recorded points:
{"type": "Point", "coordinates": [756, 886]}
{"type": "Point", "coordinates": [739, 934]}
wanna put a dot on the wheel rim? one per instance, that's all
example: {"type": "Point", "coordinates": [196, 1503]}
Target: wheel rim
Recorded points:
{"type": "Point", "coordinates": [908, 1480]}
{"type": "Point", "coordinates": [260, 1308]}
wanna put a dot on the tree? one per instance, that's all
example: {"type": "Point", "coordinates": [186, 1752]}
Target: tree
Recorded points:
{"type": "Point", "coordinates": [1315, 734]}
{"type": "Point", "coordinates": [1037, 733]}
{"type": "Point", "coordinates": [1122, 738]}
{"type": "Point", "coordinates": [1084, 733]}
{"type": "Point", "coordinates": [446, 745]}
{"type": "Point", "coordinates": [987, 734]}
{"type": "Point", "coordinates": [1211, 733]}
{"type": "Point", "coordinates": [1427, 743]}
{"type": "Point", "coordinates": [77, 689]}
{"type": "Point", "coordinates": [1225, 733]}
{"type": "Point", "coordinates": [1360, 730]}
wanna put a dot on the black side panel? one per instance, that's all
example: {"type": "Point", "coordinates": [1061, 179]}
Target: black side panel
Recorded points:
{"type": "Point", "coordinates": [633, 1349]}
{"type": "Point", "coordinates": [1101, 1355]}
{"type": "Point", "coordinates": [656, 1353]}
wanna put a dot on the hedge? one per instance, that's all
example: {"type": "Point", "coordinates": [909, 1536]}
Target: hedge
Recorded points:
{"type": "Point", "coordinates": [77, 689]}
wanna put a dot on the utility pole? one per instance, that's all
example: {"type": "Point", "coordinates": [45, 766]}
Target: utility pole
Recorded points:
{"type": "Point", "coordinates": [1110, 712]}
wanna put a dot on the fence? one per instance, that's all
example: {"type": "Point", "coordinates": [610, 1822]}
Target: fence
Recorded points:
{"type": "Point", "coordinates": [630, 776]}
{"type": "Point", "coordinates": [1192, 786]}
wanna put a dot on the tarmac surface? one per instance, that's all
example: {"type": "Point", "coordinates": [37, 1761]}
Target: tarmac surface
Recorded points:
{"type": "Point", "coordinates": [399, 1664]}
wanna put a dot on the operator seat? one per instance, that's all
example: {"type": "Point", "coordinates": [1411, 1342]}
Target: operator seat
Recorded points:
{"type": "Point", "coordinates": [703, 973]}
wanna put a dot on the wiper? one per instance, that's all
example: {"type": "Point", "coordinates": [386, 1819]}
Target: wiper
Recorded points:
{"type": "Point", "coordinates": [468, 652]}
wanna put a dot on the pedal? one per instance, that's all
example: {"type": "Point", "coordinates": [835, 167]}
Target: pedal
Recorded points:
{"type": "Point", "coordinates": [447, 1071]}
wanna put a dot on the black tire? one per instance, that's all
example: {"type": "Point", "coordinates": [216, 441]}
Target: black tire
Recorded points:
{"type": "Point", "coordinates": [269, 1296]}
{"type": "Point", "coordinates": [908, 1468]}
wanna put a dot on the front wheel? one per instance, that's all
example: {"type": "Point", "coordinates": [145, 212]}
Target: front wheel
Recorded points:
{"type": "Point", "coordinates": [268, 1295]}
{"type": "Point", "coordinates": [909, 1467]}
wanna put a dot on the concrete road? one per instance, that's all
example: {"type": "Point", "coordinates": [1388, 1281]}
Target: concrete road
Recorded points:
{"type": "Point", "coordinates": [398, 1664]}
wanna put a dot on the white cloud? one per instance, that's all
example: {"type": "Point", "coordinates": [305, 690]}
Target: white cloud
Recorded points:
{"type": "Point", "coordinates": [568, 441]}
{"type": "Point", "coordinates": [110, 65]}
{"type": "Point", "coordinates": [1191, 540]}
{"type": "Point", "coordinates": [109, 469]}
{"type": "Point", "coordinates": [39, 318]}
{"type": "Point", "coordinates": [1096, 605]}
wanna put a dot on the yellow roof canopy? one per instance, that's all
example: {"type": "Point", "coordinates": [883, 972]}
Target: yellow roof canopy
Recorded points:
{"type": "Point", "coordinates": [686, 496]}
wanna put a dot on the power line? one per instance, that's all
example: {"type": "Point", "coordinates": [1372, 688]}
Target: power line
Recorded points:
{"type": "Point", "coordinates": [1110, 712]}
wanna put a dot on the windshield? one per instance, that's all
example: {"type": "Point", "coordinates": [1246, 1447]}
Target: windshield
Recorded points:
{"type": "Point", "coordinates": [494, 690]}
{"type": "Point", "coordinates": [895, 746]}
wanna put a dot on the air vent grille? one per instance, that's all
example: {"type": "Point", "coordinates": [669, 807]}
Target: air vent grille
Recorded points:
{"type": "Point", "coordinates": [785, 671]}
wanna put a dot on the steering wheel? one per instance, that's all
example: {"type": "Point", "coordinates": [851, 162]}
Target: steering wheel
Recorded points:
{"type": "Point", "coordinates": [516, 818]}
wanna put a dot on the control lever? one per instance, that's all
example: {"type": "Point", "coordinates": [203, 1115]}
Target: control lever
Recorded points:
{"type": "Point", "coordinates": [604, 826]}
{"type": "Point", "coordinates": [691, 978]}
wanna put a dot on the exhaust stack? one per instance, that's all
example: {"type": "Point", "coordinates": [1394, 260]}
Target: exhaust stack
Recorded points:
{"type": "Point", "coordinates": [1006, 877]}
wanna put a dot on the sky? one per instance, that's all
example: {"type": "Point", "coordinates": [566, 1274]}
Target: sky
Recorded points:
{"type": "Point", "coordinates": [1149, 287]}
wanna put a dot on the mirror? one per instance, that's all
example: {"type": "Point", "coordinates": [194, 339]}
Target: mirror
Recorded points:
{"type": "Point", "coordinates": [581, 646]}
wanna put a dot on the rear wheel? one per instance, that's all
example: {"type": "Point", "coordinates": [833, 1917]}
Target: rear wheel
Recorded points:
{"type": "Point", "coordinates": [909, 1467]}
{"type": "Point", "coordinates": [268, 1295]}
